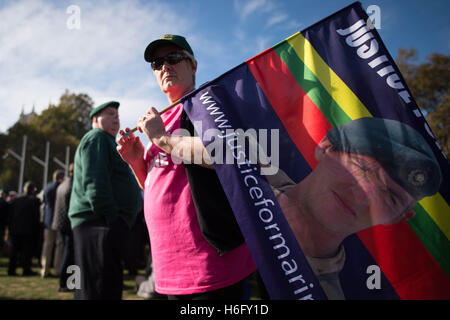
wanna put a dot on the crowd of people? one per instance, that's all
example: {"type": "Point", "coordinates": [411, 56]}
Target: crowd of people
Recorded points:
{"type": "Point", "coordinates": [36, 233]}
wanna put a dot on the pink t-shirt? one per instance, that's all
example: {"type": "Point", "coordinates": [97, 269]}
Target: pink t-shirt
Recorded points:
{"type": "Point", "coordinates": [183, 261]}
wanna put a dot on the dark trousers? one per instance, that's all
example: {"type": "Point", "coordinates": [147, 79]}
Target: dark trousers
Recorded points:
{"type": "Point", "coordinates": [99, 251]}
{"type": "Point", "coordinates": [2, 237]}
{"type": "Point", "coordinates": [135, 257]}
{"type": "Point", "coordinates": [237, 291]}
{"type": "Point", "coordinates": [68, 258]}
{"type": "Point", "coordinates": [22, 247]}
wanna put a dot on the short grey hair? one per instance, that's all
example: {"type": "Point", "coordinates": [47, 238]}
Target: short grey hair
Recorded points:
{"type": "Point", "coordinates": [194, 62]}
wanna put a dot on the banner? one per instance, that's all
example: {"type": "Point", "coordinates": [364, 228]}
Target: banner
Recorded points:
{"type": "Point", "coordinates": [323, 153]}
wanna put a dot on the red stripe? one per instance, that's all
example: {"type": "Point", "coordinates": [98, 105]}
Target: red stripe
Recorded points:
{"type": "Point", "coordinates": [302, 119]}
{"type": "Point", "coordinates": [405, 262]}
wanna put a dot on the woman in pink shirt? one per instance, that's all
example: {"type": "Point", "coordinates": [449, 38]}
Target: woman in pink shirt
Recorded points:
{"type": "Point", "coordinates": [186, 265]}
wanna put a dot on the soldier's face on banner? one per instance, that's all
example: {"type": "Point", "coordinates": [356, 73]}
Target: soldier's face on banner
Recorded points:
{"type": "Point", "coordinates": [356, 192]}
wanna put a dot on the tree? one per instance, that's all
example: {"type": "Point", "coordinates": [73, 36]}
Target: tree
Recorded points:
{"type": "Point", "coordinates": [70, 117]}
{"type": "Point", "coordinates": [429, 84]}
{"type": "Point", "coordinates": [62, 125]}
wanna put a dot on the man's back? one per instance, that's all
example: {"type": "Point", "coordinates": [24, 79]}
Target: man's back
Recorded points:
{"type": "Point", "coordinates": [49, 200]}
{"type": "Point", "coordinates": [103, 184]}
{"type": "Point", "coordinates": [24, 215]}
{"type": "Point", "coordinates": [61, 219]}
{"type": "Point", "coordinates": [3, 213]}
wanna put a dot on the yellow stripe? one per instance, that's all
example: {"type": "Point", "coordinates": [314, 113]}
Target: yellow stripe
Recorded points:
{"type": "Point", "coordinates": [438, 209]}
{"type": "Point", "coordinates": [337, 89]}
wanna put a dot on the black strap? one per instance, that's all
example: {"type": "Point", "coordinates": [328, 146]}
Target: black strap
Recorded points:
{"type": "Point", "coordinates": [217, 221]}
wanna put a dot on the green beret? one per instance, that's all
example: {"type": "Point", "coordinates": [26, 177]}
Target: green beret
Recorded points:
{"type": "Point", "coordinates": [400, 149]}
{"type": "Point", "coordinates": [179, 41]}
{"type": "Point", "coordinates": [114, 104]}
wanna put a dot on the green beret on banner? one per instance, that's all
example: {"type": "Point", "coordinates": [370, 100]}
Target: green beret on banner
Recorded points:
{"type": "Point", "coordinates": [114, 104]}
{"type": "Point", "coordinates": [400, 149]}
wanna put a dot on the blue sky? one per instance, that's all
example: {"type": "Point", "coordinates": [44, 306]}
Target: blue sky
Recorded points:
{"type": "Point", "coordinates": [40, 56]}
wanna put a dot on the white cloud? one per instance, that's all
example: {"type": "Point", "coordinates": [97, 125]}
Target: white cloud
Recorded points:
{"type": "Point", "coordinates": [247, 8]}
{"type": "Point", "coordinates": [270, 15]}
{"type": "Point", "coordinates": [294, 25]}
{"type": "Point", "coordinates": [277, 18]}
{"type": "Point", "coordinates": [263, 43]}
{"type": "Point", "coordinates": [251, 7]}
{"type": "Point", "coordinates": [41, 57]}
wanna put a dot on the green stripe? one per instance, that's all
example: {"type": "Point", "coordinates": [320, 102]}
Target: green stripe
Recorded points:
{"type": "Point", "coordinates": [432, 237]}
{"type": "Point", "coordinates": [311, 85]}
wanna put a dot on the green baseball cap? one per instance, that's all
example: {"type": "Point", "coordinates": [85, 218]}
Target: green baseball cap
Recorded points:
{"type": "Point", "coordinates": [114, 104]}
{"type": "Point", "coordinates": [400, 149]}
{"type": "Point", "coordinates": [179, 41]}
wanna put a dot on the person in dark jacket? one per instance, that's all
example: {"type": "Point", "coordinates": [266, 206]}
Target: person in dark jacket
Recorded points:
{"type": "Point", "coordinates": [103, 206]}
{"type": "Point", "coordinates": [3, 218]}
{"type": "Point", "coordinates": [23, 226]}
{"type": "Point", "coordinates": [50, 235]}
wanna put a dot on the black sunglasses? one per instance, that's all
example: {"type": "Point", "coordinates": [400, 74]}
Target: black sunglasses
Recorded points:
{"type": "Point", "coordinates": [171, 58]}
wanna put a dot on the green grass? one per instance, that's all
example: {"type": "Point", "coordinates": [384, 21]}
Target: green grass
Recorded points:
{"type": "Point", "coordinates": [37, 288]}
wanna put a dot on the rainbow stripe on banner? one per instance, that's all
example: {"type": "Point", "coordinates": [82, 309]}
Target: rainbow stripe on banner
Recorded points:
{"type": "Point", "coordinates": [333, 72]}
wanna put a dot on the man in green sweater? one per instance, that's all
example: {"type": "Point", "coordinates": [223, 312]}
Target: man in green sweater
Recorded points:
{"type": "Point", "coordinates": [104, 202]}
